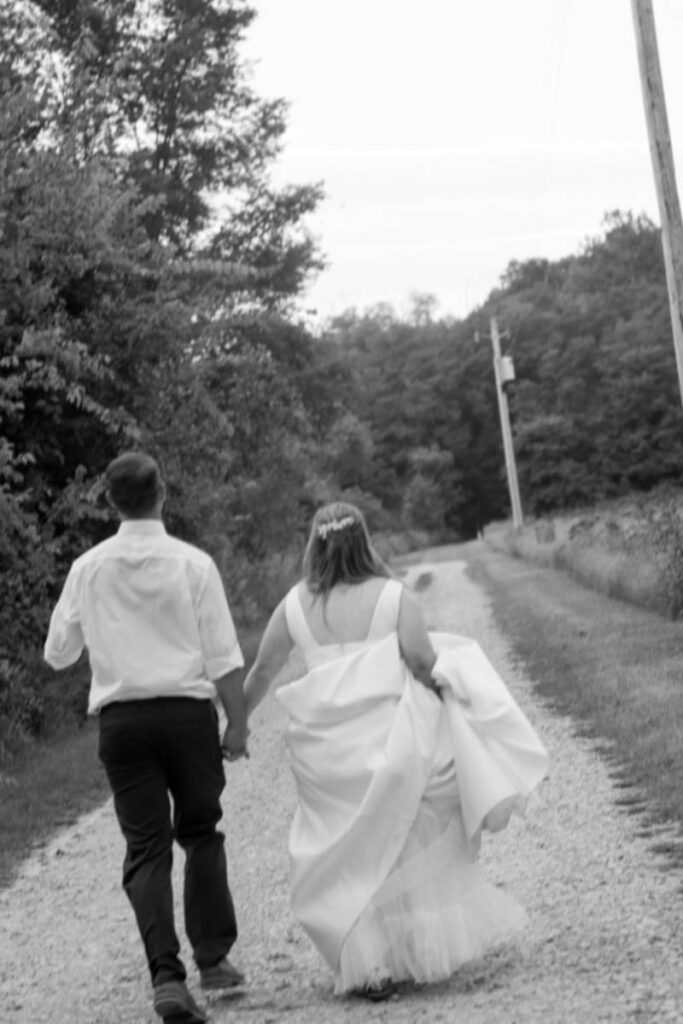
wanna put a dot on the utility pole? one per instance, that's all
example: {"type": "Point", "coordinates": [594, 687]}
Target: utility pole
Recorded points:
{"type": "Point", "coordinates": [501, 373]}
{"type": "Point", "coordinates": [663, 166]}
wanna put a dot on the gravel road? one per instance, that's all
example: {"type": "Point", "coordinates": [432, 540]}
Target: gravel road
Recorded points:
{"type": "Point", "coordinates": [604, 943]}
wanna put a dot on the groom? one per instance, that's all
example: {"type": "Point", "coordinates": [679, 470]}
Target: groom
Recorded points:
{"type": "Point", "coordinates": [152, 612]}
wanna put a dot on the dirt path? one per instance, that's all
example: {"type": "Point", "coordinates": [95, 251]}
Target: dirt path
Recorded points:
{"type": "Point", "coordinates": [605, 942]}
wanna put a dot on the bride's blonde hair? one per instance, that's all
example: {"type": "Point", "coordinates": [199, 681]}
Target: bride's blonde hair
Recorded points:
{"type": "Point", "coordinates": [339, 549]}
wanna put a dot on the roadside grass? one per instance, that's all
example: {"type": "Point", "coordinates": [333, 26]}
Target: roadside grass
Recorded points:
{"type": "Point", "coordinates": [46, 787]}
{"type": "Point", "coordinates": [615, 668]}
{"type": "Point", "coordinates": [51, 783]}
{"type": "Point", "coordinates": [629, 548]}
{"type": "Point", "coordinates": [628, 576]}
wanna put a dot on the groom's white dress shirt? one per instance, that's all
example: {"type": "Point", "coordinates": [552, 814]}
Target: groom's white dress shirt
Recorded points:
{"type": "Point", "coordinates": [153, 614]}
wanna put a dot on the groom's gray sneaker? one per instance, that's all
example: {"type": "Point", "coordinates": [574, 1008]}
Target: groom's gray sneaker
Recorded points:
{"type": "Point", "coordinates": [174, 1002]}
{"type": "Point", "coordinates": [221, 975]}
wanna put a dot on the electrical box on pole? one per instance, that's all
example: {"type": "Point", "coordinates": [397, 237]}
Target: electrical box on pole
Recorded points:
{"type": "Point", "coordinates": [507, 369]}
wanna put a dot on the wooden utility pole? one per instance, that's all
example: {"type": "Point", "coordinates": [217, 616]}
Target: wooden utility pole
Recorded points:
{"type": "Point", "coordinates": [510, 466]}
{"type": "Point", "coordinates": [663, 166]}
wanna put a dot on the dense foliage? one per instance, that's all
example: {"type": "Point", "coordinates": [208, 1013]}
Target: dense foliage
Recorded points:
{"type": "Point", "coordinates": [149, 273]}
{"type": "Point", "coordinates": [595, 407]}
{"type": "Point", "coordinates": [426, 392]}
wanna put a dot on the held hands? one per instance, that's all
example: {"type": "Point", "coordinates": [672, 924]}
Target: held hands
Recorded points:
{"type": "Point", "coordinates": [234, 743]}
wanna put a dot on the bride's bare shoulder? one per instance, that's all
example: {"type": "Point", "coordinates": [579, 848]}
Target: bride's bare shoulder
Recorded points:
{"type": "Point", "coordinates": [369, 588]}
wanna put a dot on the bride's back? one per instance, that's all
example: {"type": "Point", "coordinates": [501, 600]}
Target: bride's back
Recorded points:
{"type": "Point", "coordinates": [346, 614]}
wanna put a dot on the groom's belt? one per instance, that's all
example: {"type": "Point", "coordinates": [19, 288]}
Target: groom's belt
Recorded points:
{"type": "Point", "coordinates": [146, 701]}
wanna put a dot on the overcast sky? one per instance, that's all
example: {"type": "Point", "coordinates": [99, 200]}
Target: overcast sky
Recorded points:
{"type": "Point", "coordinates": [455, 135]}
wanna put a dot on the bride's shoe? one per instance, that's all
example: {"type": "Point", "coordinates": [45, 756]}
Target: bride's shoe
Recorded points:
{"type": "Point", "coordinates": [378, 991]}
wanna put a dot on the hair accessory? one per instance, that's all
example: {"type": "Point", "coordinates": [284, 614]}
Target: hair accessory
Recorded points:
{"type": "Point", "coordinates": [334, 525]}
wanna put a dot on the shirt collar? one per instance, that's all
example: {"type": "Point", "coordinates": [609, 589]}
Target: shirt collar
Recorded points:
{"type": "Point", "coordinates": [141, 526]}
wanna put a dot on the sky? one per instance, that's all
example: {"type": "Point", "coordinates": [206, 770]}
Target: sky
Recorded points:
{"type": "Point", "coordinates": [453, 136]}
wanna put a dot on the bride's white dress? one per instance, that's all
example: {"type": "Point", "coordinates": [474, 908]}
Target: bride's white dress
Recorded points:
{"type": "Point", "coordinates": [394, 787]}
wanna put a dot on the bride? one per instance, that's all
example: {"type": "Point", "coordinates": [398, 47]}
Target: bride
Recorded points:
{"type": "Point", "coordinates": [401, 756]}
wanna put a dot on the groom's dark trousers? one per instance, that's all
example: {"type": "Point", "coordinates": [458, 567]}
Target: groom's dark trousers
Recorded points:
{"type": "Point", "coordinates": [153, 749]}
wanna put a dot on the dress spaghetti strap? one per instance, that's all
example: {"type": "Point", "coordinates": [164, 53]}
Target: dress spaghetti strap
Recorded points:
{"type": "Point", "coordinates": [385, 615]}
{"type": "Point", "coordinates": [298, 627]}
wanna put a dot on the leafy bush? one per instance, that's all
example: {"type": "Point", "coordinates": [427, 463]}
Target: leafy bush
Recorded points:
{"type": "Point", "coordinates": [665, 530]}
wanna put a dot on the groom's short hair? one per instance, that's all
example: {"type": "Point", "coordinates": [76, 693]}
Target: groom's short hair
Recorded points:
{"type": "Point", "coordinates": [134, 483]}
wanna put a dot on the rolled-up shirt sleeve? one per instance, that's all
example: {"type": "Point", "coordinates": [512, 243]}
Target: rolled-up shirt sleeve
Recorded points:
{"type": "Point", "coordinates": [65, 642]}
{"type": "Point", "coordinates": [220, 647]}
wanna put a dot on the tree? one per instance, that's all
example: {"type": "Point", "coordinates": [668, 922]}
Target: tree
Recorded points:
{"type": "Point", "coordinates": [348, 452]}
{"type": "Point", "coordinates": [62, 235]}
{"type": "Point", "coordinates": [423, 306]}
{"type": "Point", "coordinates": [159, 86]}
{"type": "Point", "coordinates": [424, 498]}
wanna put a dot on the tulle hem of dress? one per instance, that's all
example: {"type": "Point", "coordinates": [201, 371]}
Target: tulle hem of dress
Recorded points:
{"type": "Point", "coordinates": [427, 946]}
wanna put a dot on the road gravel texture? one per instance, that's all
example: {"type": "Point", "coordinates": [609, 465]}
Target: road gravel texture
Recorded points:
{"type": "Point", "coordinates": [604, 942]}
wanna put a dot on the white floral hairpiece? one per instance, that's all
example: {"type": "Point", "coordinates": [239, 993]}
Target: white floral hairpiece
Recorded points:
{"type": "Point", "coordinates": [334, 525]}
